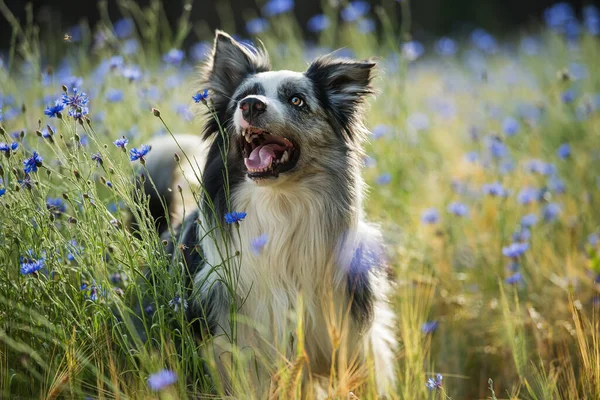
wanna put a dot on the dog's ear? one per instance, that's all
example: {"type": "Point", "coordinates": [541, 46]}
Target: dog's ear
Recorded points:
{"type": "Point", "coordinates": [231, 63]}
{"type": "Point", "coordinates": [342, 86]}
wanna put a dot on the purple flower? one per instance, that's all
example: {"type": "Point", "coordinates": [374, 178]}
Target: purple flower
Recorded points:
{"type": "Point", "coordinates": [136, 154]}
{"type": "Point", "coordinates": [510, 126]}
{"type": "Point", "coordinates": [430, 216]}
{"type": "Point", "coordinates": [257, 244]}
{"type": "Point", "coordinates": [98, 158]}
{"type": "Point", "coordinates": [497, 147]}
{"type": "Point", "coordinates": [161, 380]}
{"type": "Point", "coordinates": [591, 19]}
{"type": "Point", "coordinates": [379, 131]}
{"type": "Point", "coordinates": [528, 195]}
{"type": "Point", "coordinates": [114, 95]}
{"type": "Point", "coordinates": [564, 151]}
{"type": "Point", "coordinates": [121, 142]}
{"type": "Point", "coordinates": [446, 47]}
{"type": "Point", "coordinates": [256, 26]}
{"type": "Point", "coordinates": [276, 7]}
{"type": "Point", "coordinates": [514, 279]}
{"type": "Point", "coordinates": [412, 50]}
{"type": "Point", "coordinates": [54, 111]}
{"type": "Point", "coordinates": [515, 250]}
{"type": "Point", "coordinates": [2, 192]}
{"type": "Point", "coordinates": [124, 28]}
{"type": "Point", "coordinates": [75, 101]}
{"type": "Point", "coordinates": [435, 384]}
{"type": "Point", "coordinates": [494, 189]}
{"type": "Point", "coordinates": [198, 97]}
{"type": "Point", "coordinates": [384, 179]}
{"type": "Point", "coordinates": [568, 96]}
{"type": "Point", "coordinates": [484, 41]}
{"type": "Point", "coordinates": [200, 51]}
{"type": "Point", "coordinates": [174, 57]}
{"type": "Point", "coordinates": [369, 162]}
{"type": "Point", "coordinates": [551, 211]}
{"type": "Point", "coordinates": [32, 163]}
{"type": "Point", "coordinates": [429, 327]}
{"type": "Point", "coordinates": [318, 23]}
{"type": "Point", "coordinates": [177, 302]}
{"type": "Point", "coordinates": [56, 205]}
{"type": "Point", "coordinates": [457, 208]}
{"type": "Point", "coordinates": [131, 72]}
{"type": "Point", "coordinates": [29, 265]}
{"type": "Point", "coordinates": [234, 216]}
{"type": "Point", "coordinates": [355, 10]}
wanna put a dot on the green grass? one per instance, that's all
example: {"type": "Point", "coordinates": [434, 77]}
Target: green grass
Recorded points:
{"type": "Point", "coordinates": [536, 339]}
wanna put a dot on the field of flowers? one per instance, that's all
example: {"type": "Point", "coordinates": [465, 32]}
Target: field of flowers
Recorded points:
{"type": "Point", "coordinates": [484, 172]}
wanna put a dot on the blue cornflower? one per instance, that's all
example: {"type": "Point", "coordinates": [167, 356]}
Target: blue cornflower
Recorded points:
{"type": "Point", "coordinates": [200, 96]}
{"type": "Point", "coordinates": [75, 101]}
{"type": "Point", "coordinates": [234, 217]}
{"type": "Point", "coordinates": [29, 265]}
{"type": "Point", "coordinates": [174, 57]}
{"type": "Point", "coordinates": [116, 62]}
{"type": "Point", "coordinates": [591, 19]}
{"type": "Point", "coordinates": [568, 96]}
{"type": "Point", "coordinates": [177, 302]}
{"type": "Point", "coordinates": [369, 162]}
{"type": "Point", "coordinates": [355, 10]}
{"type": "Point", "coordinates": [459, 209]}
{"type": "Point", "coordinates": [318, 23]}
{"type": "Point", "coordinates": [497, 148]}
{"type": "Point", "coordinates": [494, 189]}
{"type": "Point", "coordinates": [412, 50]}
{"type": "Point", "coordinates": [4, 147]}
{"type": "Point", "coordinates": [132, 72]}
{"type": "Point", "coordinates": [14, 146]}
{"type": "Point", "coordinates": [551, 211]}
{"type": "Point", "coordinates": [121, 142]}
{"type": "Point", "coordinates": [429, 327]}
{"type": "Point", "coordinates": [472, 157]}
{"type": "Point", "coordinates": [200, 51]}
{"type": "Point", "coordinates": [130, 47]}
{"type": "Point", "coordinates": [73, 249]}
{"type": "Point", "coordinates": [114, 95]}
{"type": "Point", "coordinates": [2, 192]}
{"type": "Point", "coordinates": [564, 151]}
{"type": "Point", "coordinates": [484, 41]}
{"type": "Point", "coordinates": [161, 380]}
{"type": "Point", "coordinates": [98, 158]}
{"type": "Point", "coordinates": [529, 220]}
{"type": "Point", "coordinates": [32, 163]}
{"type": "Point", "coordinates": [366, 25]}
{"type": "Point", "coordinates": [276, 7]}
{"type": "Point", "coordinates": [379, 131]}
{"type": "Point", "coordinates": [256, 26]}
{"type": "Point", "coordinates": [522, 234]}
{"type": "Point", "coordinates": [558, 16]}
{"type": "Point", "coordinates": [541, 167]}
{"type": "Point", "coordinates": [136, 154]}
{"type": "Point", "coordinates": [510, 126]}
{"type": "Point", "coordinates": [56, 205]}
{"type": "Point", "coordinates": [515, 250]}
{"type": "Point", "coordinates": [384, 179]}
{"type": "Point", "coordinates": [556, 185]}
{"type": "Point", "coordinates": [514, 279]}
{"type": "Point", "coordinates": [593, 239]}
{"type": "Point", "coordinates": [54, 111]}
{"type": "Point", "coordinates": [257, 244]}
{"type": "Point", "coordinates": [528, 195]}
{"type": "Point", "coordinates": [435, 384]}
{"type": "Point", "coordinates": [446, 47]}
{"type": "Point", "coordinates": [430, 216]}
{"type": "Point", "coordinates": [124, 28]}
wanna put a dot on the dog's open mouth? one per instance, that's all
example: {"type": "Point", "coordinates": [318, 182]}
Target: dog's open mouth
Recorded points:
{"type": "Point", "coordinates": [267, 155]}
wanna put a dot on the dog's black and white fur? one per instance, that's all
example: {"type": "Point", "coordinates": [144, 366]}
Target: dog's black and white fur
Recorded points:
{"type": "Point", "coordinates": [293, 162]}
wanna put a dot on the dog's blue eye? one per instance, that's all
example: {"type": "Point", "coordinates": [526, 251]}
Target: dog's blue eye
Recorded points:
{"type": "Point", "coordinates": [296, 101]}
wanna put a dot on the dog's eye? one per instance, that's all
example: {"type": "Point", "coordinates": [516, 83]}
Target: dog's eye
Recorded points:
{"type": "Point", "coordinates": [296, 101]}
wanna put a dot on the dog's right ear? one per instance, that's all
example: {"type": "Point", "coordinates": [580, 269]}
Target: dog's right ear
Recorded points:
{"type": "Point", "coordinates": [231, 63]}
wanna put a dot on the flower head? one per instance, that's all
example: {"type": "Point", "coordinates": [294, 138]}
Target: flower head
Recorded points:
{"type": "Point", "coordinates": [161, 379]}
{"type": "Point", "coordinates": [75, 101]}
{"type": "Point", "coordinates": [510, 126]}
{"type": "Point", "coordinates": [551, 211]}
{"type": "Point", "coordinates": [318, 23]}
{"type": "Point", "coordinates": [257, 244]}
{"type": "Point", "coordinates": [457, 208]}
{"type": "Point", "coordinates": [564, 151]}
{"type": "Point", "coordinates": [31, 265]}
{"type": "Point", "coordinates": [435, 383]}
{"type": "Point", "coordinates": [429, 327]}
{"type": "Point", "coordinates": [98, 158]}
{"type": "Point", "coordinates": [384, 179]}
{"type": "Point", "coordinates": [355, 10]}
{"type": "Point", "coordinates": [177, 302]}
{"type": "Point", "coordinates": [234, 217]}
{"type": "Point", "coordinates": [515, 250]}
{"type": "Point", "coordinates": [529, 220]}
{"type": "Point", "coordinates": [430, 216]}
{"type": "Point", "coordinates": [56, 205]}
{"type": "Point", "coordinates": [136, 154]}
{"type": "Point", "coordinates": [32, 163]}
{"type": "Point", "coordinates": [256, 26]}
{"type": "Point", "coordinates": [200, 97]}
{"type": "Point", "coordinates": [514, 279]}
{"type": "Point", "coordinates": [55, 110]}
{"type": "Point", "coordinates": [276, 7]}
{"type": "Point", "coordinates": [494, 189]}
{"type": "Point", "coordinates": [174, 57]}
{"type": "Point", "coordinates": [121, 142]}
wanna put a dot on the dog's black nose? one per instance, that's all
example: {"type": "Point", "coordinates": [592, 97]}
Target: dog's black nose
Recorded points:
{"type": "Point", "coordinates": [252, 107]}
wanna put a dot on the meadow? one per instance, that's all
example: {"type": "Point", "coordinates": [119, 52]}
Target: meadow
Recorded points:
{"type": "Point", "coordinates": [484, 173]}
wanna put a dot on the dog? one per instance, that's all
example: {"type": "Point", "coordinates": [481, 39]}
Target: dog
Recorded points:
{"type": "Point", "coordinates": [286, 149]}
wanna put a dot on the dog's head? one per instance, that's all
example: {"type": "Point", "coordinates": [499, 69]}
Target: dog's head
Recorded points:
{"type": "Point", "coordinates": [284, 124]}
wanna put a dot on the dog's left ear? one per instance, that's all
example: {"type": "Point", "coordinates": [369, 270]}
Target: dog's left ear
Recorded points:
{"type": "Point", "coordinates": [342, 86]}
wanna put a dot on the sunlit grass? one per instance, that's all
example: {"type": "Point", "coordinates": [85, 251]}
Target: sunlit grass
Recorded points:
{"type": "Point", "coordinates": [74, 328]}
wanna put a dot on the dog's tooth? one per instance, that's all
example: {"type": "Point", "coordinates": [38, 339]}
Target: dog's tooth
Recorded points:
{"type": "Point", "coordinates": [285, 156]}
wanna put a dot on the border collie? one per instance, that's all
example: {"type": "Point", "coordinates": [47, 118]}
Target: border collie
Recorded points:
{"type": "Point", "coordinates": [285, 148]}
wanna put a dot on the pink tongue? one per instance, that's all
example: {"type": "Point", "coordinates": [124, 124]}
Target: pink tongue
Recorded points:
{"type": "Point", "coordinates": [261, 157]}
